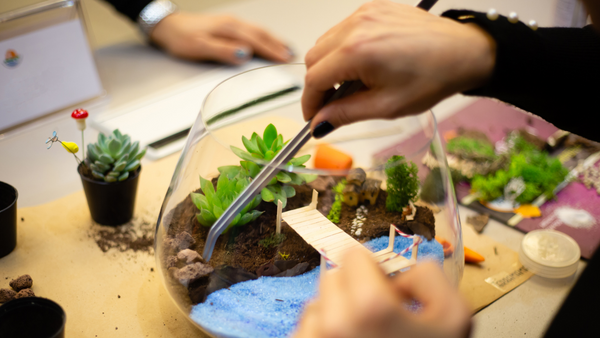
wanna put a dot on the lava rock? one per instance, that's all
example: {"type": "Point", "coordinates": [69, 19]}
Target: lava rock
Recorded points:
{"type": "Point", "coordinates": [268, 269]}
{"type": "Point", "coordinates": [478, 221]}
{"type": "Point", "coordinates": [6, 295]}
{"type": "Point", "coordinates": [189, 256]}
{"type": "Point", "coordinates": [184, 240]}
{"type": "Point", "coordinates": [22, 282]}
{"type": "Point", "coordinates": [25, 293]}
{"type": "Point", "coordinates": [171, 262]}
{"type": "Point", "coordinates": [226, 276]}
{"type": "Point", "coordinates": [191, 272]}
{"type": "Point", "coordinates": [322, 183]}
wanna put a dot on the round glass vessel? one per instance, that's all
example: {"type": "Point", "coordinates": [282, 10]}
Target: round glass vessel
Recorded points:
{"type": "Point", "coordinates": [351, 189]}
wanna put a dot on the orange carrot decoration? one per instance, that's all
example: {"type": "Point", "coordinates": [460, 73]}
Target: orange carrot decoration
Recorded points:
{"type": "Point", "coordinates": [472, 256]}
{"type": "Point", "coordinates": [328, 157]}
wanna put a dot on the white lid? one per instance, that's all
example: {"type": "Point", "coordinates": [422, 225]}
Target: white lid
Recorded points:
{"type": "Point", "coordinates": [549, 253]}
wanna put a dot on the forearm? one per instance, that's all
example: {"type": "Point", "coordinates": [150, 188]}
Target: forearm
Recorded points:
{"type": "Point", "coordinates": [129, 8]}
{"type": "Point", "coordinates": [542, 71]}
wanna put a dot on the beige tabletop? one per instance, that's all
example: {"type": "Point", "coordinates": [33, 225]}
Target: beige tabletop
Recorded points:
{"type": "Point", "coordinates": [91, 296]}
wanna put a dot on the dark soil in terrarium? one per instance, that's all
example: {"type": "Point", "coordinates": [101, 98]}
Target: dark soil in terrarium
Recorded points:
{"type": "Point", "coordinates": [238, 251]}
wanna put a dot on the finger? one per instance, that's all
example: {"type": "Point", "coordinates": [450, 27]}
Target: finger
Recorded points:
{"type": "Point", "coordinates": [370, 292]}
{"type": "Point", "coordinates": [334, 305]}
{"type": "Point", "coordinates": [369, 104]}
{"type": "Point", "coordinates": [321, 77]}
{"type": "Point", "coordinates": [308, 326]}
{"type": "Point", "coordinates": [209, 48]}
{"type": "Point", "coordinates": [424, 282]}
{"type": "Point", "coordinates": [263, 43]}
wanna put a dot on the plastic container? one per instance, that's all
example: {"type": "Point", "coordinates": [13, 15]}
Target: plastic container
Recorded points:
{"type": "Point", "coordinates": [549, 253]}
{"type": "Point", "coordinates": [111, 203]}
{"type": "Point", "coordinates": [32, 317]}
{"type": "Point", "coordinates": [224, 296]}
{"type": "Point", "coordinates": [8, 218]}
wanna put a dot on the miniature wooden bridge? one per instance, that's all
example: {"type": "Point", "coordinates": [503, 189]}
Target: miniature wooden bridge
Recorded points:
{"type": "Point", "coordinates": [327, 237]}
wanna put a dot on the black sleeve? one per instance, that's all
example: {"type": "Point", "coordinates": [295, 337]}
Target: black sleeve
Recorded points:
{"type": "Point", "coordinates": [129, 8]}
{"type": "Point", "coordinates": [551, 72]}
{"type": "Point", "coordinates": [579, 313]}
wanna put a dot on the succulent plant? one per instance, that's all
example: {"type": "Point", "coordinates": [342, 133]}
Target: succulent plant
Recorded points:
{"type": "Point", "coordinates": [213, 202]}
{"type": "Point", "coordinates": [259, 152]}
{"type": "Point", "coordinates": [113, 157]}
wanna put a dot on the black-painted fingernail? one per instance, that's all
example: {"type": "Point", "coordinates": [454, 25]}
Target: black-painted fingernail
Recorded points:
{"type": "Point", "coordinates": [322, 129]}
{"type": "Point", "coordinates": [241, 53]}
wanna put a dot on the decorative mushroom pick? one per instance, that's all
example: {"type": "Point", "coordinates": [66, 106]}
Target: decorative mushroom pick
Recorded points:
{"type": "Point", "coordinates": [80, 115]}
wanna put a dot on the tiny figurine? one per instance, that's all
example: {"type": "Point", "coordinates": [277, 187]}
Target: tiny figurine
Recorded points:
{"type": "Point", "coordinates": [359, 188]}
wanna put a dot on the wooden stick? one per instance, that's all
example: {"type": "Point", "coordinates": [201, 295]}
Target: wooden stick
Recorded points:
{"type": "Point", "coordinates": [315, 196]}
{"type": "Point", "coordinates": [278, 224]}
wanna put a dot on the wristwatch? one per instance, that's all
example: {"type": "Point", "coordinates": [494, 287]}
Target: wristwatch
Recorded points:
{"type": "Point", "coordinates": [155, 11]}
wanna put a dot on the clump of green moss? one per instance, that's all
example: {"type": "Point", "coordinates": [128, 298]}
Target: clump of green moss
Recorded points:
{"type": "Point", "coordinates": [272, 240]}
{"type": "Point", "coordinates": [540, 172]}
{"type": "Point", "coordinates": [471, 148]}
{"type": "Point", "coordinates": [402, 183]}
{"type": "Point", "coordinates": [336, 207]}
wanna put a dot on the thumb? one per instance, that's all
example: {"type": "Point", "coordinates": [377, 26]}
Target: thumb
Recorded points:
{"type": "Point", "coordinates": [364, 105]}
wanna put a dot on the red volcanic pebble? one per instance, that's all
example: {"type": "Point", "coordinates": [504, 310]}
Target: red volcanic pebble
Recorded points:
{"type": "Point", "coordinates": [25, 293]}
{"type": "Point", "coordinates": [22, 282]}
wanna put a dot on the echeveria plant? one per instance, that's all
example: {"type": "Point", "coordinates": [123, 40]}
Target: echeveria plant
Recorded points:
{"type": "Point", "coordinates": [213, 202]}
{"type": "Point", "coordinates": [259, 151]}
{"type": "Point", "coordinates": [113, 157]}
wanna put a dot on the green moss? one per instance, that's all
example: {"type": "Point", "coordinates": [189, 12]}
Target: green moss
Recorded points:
{"type": "Point", "coordinates": [471, 147]}
{"type": "Point", "coordinates": [272, 241]}
{"type": "Point", "coordinates": [336, 208]}
{"type": "Point", "coordinates": [540, 172]}
{"type": "Point", "coordinates": [402, 183]}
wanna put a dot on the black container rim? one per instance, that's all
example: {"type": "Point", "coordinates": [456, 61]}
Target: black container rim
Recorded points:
{"type": "Point", "coordinates": [16, 195]}
{"type": "Point", "coordinates": [22, 302]}
{"type": "Point", "coordinates": [135, 174]}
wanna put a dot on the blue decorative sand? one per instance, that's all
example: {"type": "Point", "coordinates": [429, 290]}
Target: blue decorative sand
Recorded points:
{"type": "Point", "coordinates": [271, 306]}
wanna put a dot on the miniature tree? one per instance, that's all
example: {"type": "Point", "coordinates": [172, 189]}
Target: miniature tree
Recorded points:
{"type": "Point", "coordinates": [336, 207]}
{"type": "Point", "coordinates": [402, 183]}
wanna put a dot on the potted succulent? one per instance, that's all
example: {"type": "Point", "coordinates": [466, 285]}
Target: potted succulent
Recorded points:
{"type": "Point", "coordinates": [109, 173]}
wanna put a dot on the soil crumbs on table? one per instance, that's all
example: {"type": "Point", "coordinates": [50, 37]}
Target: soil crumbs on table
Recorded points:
{"type": "Point", "coordinates": [136, 235]}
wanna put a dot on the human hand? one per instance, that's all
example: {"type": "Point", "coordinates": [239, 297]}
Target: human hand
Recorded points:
{"type": "Point", "coordinates": [407, 58]}
{"type": "Point", "coordinates": [217, 38]}
{"type": "Point", "coordinates": [358, 300]}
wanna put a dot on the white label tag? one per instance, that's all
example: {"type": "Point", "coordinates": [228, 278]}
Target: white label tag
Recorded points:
{"type": "Point", "coordinates": [45, 71]}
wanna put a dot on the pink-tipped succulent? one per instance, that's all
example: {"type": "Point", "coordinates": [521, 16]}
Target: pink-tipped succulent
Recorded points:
{"type": "Point", "coordinates": [80, 115]}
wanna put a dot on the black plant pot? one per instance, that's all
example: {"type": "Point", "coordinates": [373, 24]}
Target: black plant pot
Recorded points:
{"type": "Point", "coordinates": [8, 218]}
{"type": "Point", "coordinates": [111, 203]}
{"type": "Point", "coordinates": [32, 317]}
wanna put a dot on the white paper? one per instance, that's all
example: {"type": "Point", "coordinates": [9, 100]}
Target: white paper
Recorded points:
{"type": "Point", "coordinates": [54, 70]}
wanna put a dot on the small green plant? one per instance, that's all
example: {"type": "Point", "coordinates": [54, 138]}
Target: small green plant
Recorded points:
{"type": "Point", "coordinates": [272, 240]}
{"type": "Point", "coordinates": [284, 256]}
{"type": "Point", "coordinates": [540, 172]}
{"type": "Point", "coordinates": [336, 207]}
{"type": "Point", "coordinates": [261, 150]}
{"type": "Point", "coordinates": [213, 202]}
{"type": "Point", "coordinates": [402, 183]}
{"type": "Point", "coordinates": [112, 158]}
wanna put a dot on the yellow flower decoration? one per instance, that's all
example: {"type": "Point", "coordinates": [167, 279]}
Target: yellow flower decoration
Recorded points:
{"type": "Point", "coordinates": [70, 146]}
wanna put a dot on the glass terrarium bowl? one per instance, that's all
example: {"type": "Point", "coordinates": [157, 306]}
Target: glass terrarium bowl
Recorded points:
{"type": "Point", "coordinates": [257, 279]}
